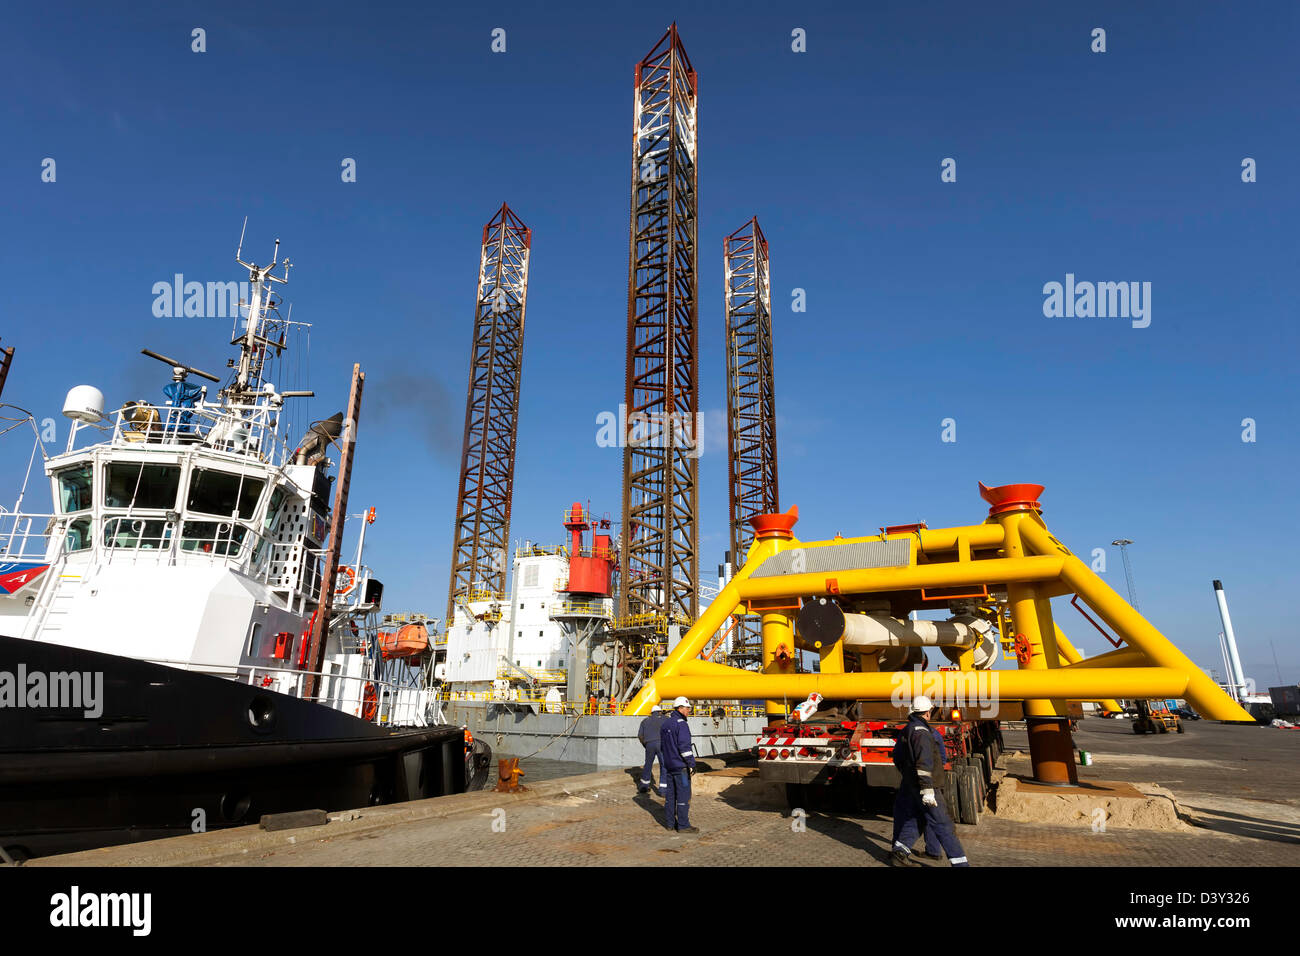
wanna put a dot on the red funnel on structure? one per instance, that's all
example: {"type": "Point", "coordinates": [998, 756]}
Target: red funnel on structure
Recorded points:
{"type": "Point", "coordinates": [775, 525]}
{"type": "Point", "coordinates": [1006, 498]}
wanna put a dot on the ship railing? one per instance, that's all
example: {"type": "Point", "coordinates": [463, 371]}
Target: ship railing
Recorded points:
{"type": "Point", "coordinates": [540, 551]}
{"type": "Point", "coordinates": [606, 553]}
{"type": "Point", "coordinates": [520, 697]}
{"type": "Point", "coordinates": [394, 702]}
{"type": "Point", "coordinates": [657, 623]}
{"type": "Point", "coordinates": [18, 540]}
{"type": "Point", "coordinates": [377, 700]}
{"type": "Point", "coordinates": [239, 428]}
{"type": "Point", "coordinates": [600, 607]}
{"type": "Point", "coordinates": [591, 707]}
{"type": "Point", "coordinates": [583, 516]}
{"type": "Point", "coordinates": [536, 674]}
{"type": "Point", "coordinates": [145, 540]}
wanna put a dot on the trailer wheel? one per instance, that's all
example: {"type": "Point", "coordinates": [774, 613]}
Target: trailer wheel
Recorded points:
{"type": "Point", "coordinates": [968, 795]}
{"type": "Point", "coordinates": [974, 767]}
{"type": "Point", "coordinates": [796, 796]}
{"type": "Point", "coordinates": [948, 793]}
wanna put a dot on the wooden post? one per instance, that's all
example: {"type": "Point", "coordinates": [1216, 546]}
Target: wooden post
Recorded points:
{"type": "Point", "coordinates": [320, 623]}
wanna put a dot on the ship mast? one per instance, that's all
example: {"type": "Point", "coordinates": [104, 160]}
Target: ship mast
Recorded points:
{"type": "Point", "coordinates": [251, 345]}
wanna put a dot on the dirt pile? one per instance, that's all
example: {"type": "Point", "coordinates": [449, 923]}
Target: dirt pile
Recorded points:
{"type": "Point", "coordinates": [1097, 804]}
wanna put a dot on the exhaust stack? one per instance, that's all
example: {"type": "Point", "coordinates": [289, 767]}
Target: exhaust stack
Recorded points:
{"type": "Point", "coordinates": [1237, 678]}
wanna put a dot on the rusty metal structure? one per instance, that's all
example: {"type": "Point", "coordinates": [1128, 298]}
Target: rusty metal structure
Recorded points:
{"type": "Point", "coordinates": [659, 559]}
{"type": "Point", "coordinates": [482, 530]}
{"type": "Point", "coordinates": [751, 408]}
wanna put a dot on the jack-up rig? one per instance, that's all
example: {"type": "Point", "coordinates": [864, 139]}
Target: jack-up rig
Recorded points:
{"type": "Point", "coordinates": [610, 625]}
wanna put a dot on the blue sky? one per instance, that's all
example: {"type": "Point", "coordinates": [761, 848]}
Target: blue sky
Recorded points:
{"type": "Point", "coordinates": [924, 298]}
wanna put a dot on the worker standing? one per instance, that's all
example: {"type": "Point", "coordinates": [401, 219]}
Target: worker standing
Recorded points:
{"type": "Point", "coordinates": [679, 761]}
{"type": "Point", "coordinates": [920, 761]}
{"type": "Point", "coordinates": [648, 734]}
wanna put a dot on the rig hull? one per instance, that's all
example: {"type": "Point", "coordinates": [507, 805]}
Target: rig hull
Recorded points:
{"type": "Point", "coordinates": [601, 740]}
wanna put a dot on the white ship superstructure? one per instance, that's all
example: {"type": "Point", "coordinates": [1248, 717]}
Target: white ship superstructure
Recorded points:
{"type": "Point", "coordinates": [189, 533]}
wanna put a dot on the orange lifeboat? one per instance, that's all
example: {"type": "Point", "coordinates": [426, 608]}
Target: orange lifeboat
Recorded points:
{"type": "Point", "coordinates": [409, 640]}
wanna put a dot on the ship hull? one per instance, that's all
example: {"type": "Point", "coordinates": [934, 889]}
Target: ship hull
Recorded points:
{"type": "Point", "coordinates": [172, 751]}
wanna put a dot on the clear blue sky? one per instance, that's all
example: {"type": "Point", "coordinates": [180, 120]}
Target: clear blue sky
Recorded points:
{"type": "Point", "coordinates": [924, 298]}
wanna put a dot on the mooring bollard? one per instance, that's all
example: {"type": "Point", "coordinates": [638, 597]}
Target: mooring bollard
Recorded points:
{"type": "Point", "coordinates": [508, 774]}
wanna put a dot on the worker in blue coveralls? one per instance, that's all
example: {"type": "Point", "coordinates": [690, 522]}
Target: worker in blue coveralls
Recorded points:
{"type": "Point", "coordinates": [679, 762]}
{"type": "Point", "coordinates": [919, 759]}
{"type": "Point", "coordinates": [648, 734]}
{"type": "Point", "coordinates": [932, 848]}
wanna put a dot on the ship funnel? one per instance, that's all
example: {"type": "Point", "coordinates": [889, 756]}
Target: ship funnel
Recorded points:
{"type": "Point", "coordinates": [312, 447]}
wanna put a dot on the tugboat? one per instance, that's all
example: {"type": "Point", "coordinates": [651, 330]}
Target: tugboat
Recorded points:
{"type": "Point", "coordinates": [168, 662]}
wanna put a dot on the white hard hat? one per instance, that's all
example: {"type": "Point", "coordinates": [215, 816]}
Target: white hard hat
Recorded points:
{"type": "Point", "coordinates": [921, 703]}
{"type": "Point", "coordinates": [654, 708]}
{"type": "Point", "coordinates": [681, 702]}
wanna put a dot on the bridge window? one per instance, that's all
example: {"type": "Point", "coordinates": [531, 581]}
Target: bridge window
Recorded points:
{"type": "Point", "coordinates": [74, 491]}
{"type": "Point", "coordinates": [137, 533]}
{"type": "Point", "coordinates": [137, 485]}
{"type": "Point", "coordinates": [212, 537]}
{"type": "Point", "coordinates": [223, 493]}
{"type": "Point", "coordinates": [78, 535]}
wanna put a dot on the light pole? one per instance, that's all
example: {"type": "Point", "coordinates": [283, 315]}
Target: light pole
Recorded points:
{"type": "Point", "coordinates": [1122, 544]}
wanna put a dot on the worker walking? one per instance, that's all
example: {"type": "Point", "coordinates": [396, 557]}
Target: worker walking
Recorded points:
{"type": "Point", "coordinates": [932, 848]}
{"type": "Point", "coordinates": [920, 761]}
{"type": "Point", "coordinates": [648, 734]}
{"type": "Point", "coordinates": [679, 761]}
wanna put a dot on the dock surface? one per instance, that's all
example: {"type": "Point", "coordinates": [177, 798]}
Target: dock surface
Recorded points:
{"type": "Point", "coordinates": [1238, 785]}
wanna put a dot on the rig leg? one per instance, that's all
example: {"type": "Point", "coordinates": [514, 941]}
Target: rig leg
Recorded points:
{"type": "Point", "coordinates": [1051, 750]}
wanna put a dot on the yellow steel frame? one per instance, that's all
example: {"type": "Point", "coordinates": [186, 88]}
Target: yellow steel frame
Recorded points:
{"type": "Point", "coordinates": [1013, 552]}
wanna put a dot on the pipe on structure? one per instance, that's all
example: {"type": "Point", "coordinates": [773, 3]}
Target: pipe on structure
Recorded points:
{"type": "Point", "coordinates": [823, 621]}
{"type": "Point", "coordinates": [1238, 676]}
{"type": "Point", "coordinates": [865, 580]}
{"type": "Point", "coordinates": [719, 682]}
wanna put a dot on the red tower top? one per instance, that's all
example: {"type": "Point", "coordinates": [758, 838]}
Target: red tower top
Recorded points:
{"type": "Point", "coordinates": [775, 525]}
{"type": "Point", "coordinates": [1006, 498]}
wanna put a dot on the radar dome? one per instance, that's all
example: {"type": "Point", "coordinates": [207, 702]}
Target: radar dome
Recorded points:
{"type": "Point", "coordinates": [84, 403]}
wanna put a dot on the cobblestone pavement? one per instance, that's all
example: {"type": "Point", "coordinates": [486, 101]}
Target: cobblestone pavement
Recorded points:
{"type": "Point", "coordinates": [613, 828]}
{"type": "Point", "coordinates": [1238, 783]}
{"type": "Point", "coordinates": [601, 821]}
